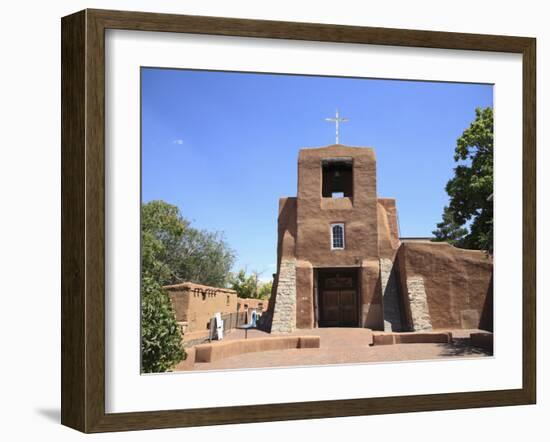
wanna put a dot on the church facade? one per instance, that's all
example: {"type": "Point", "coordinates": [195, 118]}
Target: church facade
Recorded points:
{"type": "Point", "coordinates": [341, 263]}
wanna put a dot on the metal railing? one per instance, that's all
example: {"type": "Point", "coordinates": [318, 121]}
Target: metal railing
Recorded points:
{"type": "Point", "coordinates": [230, 321]}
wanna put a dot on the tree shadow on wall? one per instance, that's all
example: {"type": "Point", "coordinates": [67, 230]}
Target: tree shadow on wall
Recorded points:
{"type": "Point", "coordinates": [463, 347]}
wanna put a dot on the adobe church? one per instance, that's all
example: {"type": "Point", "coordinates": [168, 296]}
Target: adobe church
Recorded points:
{"type": "Point", "coordinates": [341, 262]}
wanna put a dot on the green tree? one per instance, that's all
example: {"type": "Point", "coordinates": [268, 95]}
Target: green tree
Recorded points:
{"type": "Point", "coordinates": [161, 347]}
{"type": "Point", "coordinates": [449, 230]}
{"type": "Point", "coordinates": [172, 252]}
{"type": "Point", "coordinates": [203, 257]}
{"type": "Point", "coordinates": [471, 189]}
{"type": "Point", "coordinates": [249, 286]}
{"type": "Point", "coordinates": [264, 292]}
{"type": "Point", "coordinates": [162, 230]}
{"type": "Point", "coordinates": [245, 286]}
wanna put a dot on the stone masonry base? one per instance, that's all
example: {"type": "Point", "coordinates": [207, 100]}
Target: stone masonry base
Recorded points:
{"type": "Point", "coordinates": [284, 313]}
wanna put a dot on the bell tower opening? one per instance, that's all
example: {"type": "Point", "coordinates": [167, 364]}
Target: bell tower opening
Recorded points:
{"type": "Point", "coordinates": [337, 178]}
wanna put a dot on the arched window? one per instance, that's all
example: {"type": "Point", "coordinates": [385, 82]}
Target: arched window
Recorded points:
{"type": "Point", "coordinates": [337, 236]}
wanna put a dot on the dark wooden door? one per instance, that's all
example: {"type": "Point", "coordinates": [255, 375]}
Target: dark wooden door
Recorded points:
{"type": "Point", "coordinates": [330, 312]}
{"type": "Point", "coordinates": [338, 299]}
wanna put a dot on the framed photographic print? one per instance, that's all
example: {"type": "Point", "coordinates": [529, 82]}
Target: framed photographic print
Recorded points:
{"type": "Point", "coordinates": [270, 220]}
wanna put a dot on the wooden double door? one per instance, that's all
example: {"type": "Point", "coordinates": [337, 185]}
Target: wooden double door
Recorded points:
{"type": "Point", "coordinates": [338, 298]}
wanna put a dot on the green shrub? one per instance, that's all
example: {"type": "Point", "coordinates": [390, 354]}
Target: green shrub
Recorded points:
{"type": "Point", "coordinates": [161, 346]}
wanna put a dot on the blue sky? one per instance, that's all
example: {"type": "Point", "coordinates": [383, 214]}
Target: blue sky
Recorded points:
{"type": "Point", "coordinates": [223, 146]}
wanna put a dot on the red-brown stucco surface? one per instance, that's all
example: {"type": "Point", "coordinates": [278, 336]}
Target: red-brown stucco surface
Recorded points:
{"type": "Point", "coordinates": [457, 282]}
{"type": "Point", "coordinates": [196, 304]}
{"type": "Point", "coordinates": [304, 230]}
{"type": "Point", "coordinates": [315, 214]}
{"type": "Point", "coordinates": [388, 229]}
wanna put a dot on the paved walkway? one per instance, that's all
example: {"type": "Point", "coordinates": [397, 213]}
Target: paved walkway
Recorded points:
{"type": "Point", "coordinates": [338, 346]}
{"type": "Point", "coordinates": [330, 337]}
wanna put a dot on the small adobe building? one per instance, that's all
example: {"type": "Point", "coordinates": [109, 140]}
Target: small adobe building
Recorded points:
{"type": "Point", "coordinates": [196, 304]}
{"type": "Point", "coordinates": [341, 263]}
{"type": "Point", "coordinates": [249, 304]}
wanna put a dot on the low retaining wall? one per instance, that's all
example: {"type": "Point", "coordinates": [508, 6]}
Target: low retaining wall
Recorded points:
{"type": "Point", "coordinates": [225, 349]}
{"type": "Point", "coordinates": [482, 340]}
{"type": "Point", "coordinates": [412, 338]}
{"type": "Point", "coordinates": [194, 338]}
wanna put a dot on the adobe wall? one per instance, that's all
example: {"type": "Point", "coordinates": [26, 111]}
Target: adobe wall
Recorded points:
{"type": "Point", "coordinates": [196, 304]}
{"type": "Point", "coordinates": [315, 213]}
{"type": "Point", "coordinates": [245, 304]}
{"type": "Point", "coordinates": [286, 228]}
{"type": "Point", "coordinates": [445, 287]}
{"type": "Point", "coordinates": [304, 238]}
{"type": "Point", "coordinates": [371, 295]}
{"type": "Point", "coordinates": [281, 314]}
{"type": "Point", "coordinates": [305, 316]}
{"type": "Point", "coordinates": [388, 229]}
{"type": "Point", "coordinates": [391, 295]}
{"type": "Point", "coordinates": [388, 244]}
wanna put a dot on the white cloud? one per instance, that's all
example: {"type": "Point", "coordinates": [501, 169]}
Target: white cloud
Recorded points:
{"type": "Point", "coordinates": [178, 141]}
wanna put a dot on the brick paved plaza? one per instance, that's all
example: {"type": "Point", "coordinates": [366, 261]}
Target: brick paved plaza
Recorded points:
{"type": "Point", "coordinates": [338, 346]}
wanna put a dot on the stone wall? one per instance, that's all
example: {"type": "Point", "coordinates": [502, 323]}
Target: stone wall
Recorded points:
{"type": "Point", "coordinates": [286, 244]}
{"type": "Point", "coordinates": [284, 305]}
{"type": "Point", "coordinates": [418, 302]}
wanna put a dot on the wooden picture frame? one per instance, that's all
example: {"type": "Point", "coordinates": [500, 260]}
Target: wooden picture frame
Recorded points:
{"type": "Point", "coordinates": [83, 220]}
